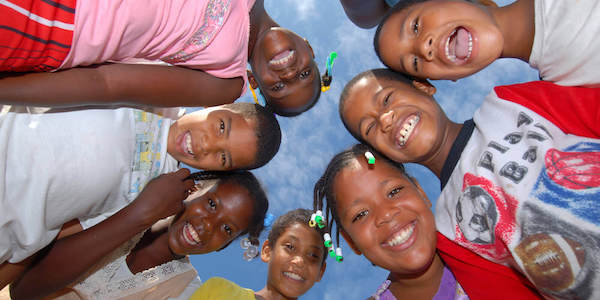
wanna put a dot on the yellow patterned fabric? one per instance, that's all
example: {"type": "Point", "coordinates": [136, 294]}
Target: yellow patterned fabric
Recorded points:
{"type": "Point", "coordinates": [218, 288]}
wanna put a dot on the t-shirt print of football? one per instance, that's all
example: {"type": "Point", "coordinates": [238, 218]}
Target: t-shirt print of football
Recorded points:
{"type": "Point", "coordinates": [551, 261]}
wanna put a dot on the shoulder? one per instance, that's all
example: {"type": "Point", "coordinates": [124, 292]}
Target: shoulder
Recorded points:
{"type": "Point", "coordinates": [221, 288]}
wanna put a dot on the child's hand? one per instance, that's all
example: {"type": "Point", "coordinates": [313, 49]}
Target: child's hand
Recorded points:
{"type": "Point", "coordinates": [163, 196]}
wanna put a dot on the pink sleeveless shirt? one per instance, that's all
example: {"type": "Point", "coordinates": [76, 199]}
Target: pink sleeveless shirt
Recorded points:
{"type": "Point", "coordinates": [210, 35]}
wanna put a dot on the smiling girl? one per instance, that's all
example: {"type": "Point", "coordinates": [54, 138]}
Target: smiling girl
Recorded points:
{"type": "Point", "coordinates": [451, 39]}
{"type": "Point", "coordinates": [152, 262]}
{"type": "Point", "coordinates": [208, 44]}
{"type": "Point", "coordinates": [296, 256]}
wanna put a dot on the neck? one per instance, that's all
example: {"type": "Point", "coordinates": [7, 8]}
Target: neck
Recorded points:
{"type": "Point", "coordinates": [517, 24]}
{"type": "Point", "coordinates": [269, 293]}
{"type": "Point", "coordinates": [421, 286]}
{"type": "Point", "coordinates": [438, 159]}
{"type": "Point", "coordinates": [152, 250]}
{"type": "Point", "coordinates": [260, 21]}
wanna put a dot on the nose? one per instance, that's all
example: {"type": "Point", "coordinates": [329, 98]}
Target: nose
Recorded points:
{"type": "Point", "coordinates": [425, 47]}
{"type": "Point", "coordinates": [207, 225]}
{"type": "Point", "coordinates": [386, 119]}
{"type": "Point", "coordinates": [288, 74]}
{"type": "Point", "coordinates": [209, 143]}
{"type": "Point", "coordinates": [298, 260]}
{"type": "Point", "coordinates": [383, 216]}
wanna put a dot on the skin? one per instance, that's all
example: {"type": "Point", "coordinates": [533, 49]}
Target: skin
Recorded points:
{"type": "Point", "coordinates": [376, 110]}
{"type": "Point", "coordinates": [379, 204]}
{"type": "Point", "coordinates": [413, 41]}
{"type": "Point", "coordinates": [291, 85]}
{"type": "Point", "coordinates": [221, 139]}
{"type": "Point", "coordinates": [298, 250]}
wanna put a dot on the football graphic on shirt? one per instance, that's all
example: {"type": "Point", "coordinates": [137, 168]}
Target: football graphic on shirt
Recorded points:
{"type": "Point", "coordinates": [573, 170]}
{"type": "Point", "coordinates": [551, 261]}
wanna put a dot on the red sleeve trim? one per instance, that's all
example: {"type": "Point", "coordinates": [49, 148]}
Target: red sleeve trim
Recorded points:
{"type": "Point", "coordinates": [481, 278]}
{"type": "Point", "coordinates": [575, 110]}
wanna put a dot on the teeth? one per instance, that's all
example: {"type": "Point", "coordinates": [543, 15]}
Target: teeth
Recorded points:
{"type": "Point", "coordinates": [292, 275]}
{"type": "Point", "coordinates": [190, 234]}
{"type": "Point", "coordinates": [188, 142]}
{"type": "Point", "coordinates": [470, 46]}
{"type": "Point", "coordinates": [283, 60]}
{"type": "Point", "coordinates": [407, 129]}
{"type": "Point", "coordinates": [402, 236]}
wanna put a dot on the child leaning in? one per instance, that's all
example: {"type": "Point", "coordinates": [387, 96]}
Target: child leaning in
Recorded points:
{"type": "Point", "coordinates": [451, 39]}
{"type": "Point", "coordinates": [61, 166]}
{"type": "Point", "coordinates": [296, 256]}
{"type": "Point", "coordinates": [211, 41]}
{"type": "Point", "coordinates": [519, 175]}
{"type": "Point", "coordinates": [151, 262]}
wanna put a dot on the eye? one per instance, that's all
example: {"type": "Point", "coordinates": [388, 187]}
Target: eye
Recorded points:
{"type": "Point", "coordinates": [394, 191]}
{"type": "Point", "coordinates": [415, 26]}
{"type": "Point", "coordinates": [277, 87]}
{"type": "Point", "coordinates": [386, 100]}
{"type": "Point", "coordinates": [228, 230]}
{"type": "Point", "coordinates": [221, 127]}
{"type": "Point", "coordinates": [223, 159]}
{"type": "Point", "coordinates": [212, 204]}
{"type": "Point", "coordinates": [360, 215]}
{"type": "Point", "coordinates": [289, 246]}
{"type": "Point", "coordinates": [305, 74]}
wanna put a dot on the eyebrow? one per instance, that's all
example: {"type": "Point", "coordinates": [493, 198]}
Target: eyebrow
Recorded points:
{"type": "Point", "coordinates": [228, 153]}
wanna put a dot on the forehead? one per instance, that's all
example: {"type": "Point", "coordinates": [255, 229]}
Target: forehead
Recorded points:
{"type": "Point", "coordinates": [302, 233]}
{"type": "Point", "coordinates": [236, 203]}
{"type": "Point", "coordinates": [243, 145]}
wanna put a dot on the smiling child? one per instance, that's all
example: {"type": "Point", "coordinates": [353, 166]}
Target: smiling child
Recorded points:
{"type": "Point", "coordinates": [138, 263]}
{"type": "Point", "coordinates": [451, 39]}
{"type": "Point", "coordinates": [296, 257]}
{"type": "Point", "coordinates": [530, 150]}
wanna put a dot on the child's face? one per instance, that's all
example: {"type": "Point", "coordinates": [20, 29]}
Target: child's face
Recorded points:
{"type": "Point", "coordinates": [403, 123]}
{"type": "Point", "coordinates": [213, 139]}
{"type": "Point", "coordinates": [440, 39]}
{"type": "Point", "coordinates": [295, 261]}
{"type": "Point", "coordinates": [386, 216]}
{"type": "Point", "coordinates": [211, 220]}
{"type": "Point", "coordinates": [284, 68]}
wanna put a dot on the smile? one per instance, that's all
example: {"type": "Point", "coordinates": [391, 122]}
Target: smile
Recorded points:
{"type": "Point", "coordinates": [293, 276]}
{"type": "Point", "coordinates": [459, 45]}
{"type": "Point", "coordinates": [190, 235]}
{"type": "Point", "coordinates": [401, 236]}
{"type": "Point", "coordinates": [282, 59]}
{"type": "Point", "coordinates": [406, 129]}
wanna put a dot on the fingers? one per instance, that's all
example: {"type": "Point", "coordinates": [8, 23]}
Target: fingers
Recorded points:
{"type": "Point", "coordinates": [182, 173]}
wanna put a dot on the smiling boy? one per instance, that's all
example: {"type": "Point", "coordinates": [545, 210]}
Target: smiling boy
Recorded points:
{"type": "Point", "coordinates": [530, 147]}
{"type": "Point", "coordinates": [451, 39]}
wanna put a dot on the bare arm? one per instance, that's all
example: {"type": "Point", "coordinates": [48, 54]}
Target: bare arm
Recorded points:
{"type": "Point", "coordinates": [67, 259]}
{"type": "Point", "coordinates": [365, 13]}
{"type": "Point", "coordinates": [132, 84]}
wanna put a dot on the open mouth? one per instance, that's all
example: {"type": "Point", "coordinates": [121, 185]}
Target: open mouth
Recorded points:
{"type": "Point", "coordinates": [190, 235]}
{"type": "Point", "coordinates": [186, 144]}
{"type": "Point", "coordinates": [282, 59]}
{"type": "Point", "coordinates": [459, 45]}
{"type": "Point", "coordinates": [293, 276]}
{"type": "Point", "coordinates": [406, 129]}
{"type": "Point", "coordinates": [402, 236]}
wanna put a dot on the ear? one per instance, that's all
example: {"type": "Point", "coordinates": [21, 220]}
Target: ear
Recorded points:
{"type": "Point", "coordinates": [251, 79]}
{"type": "Point", "coordinates": [421, 192]}
{"type": "Point", "coordinates": [323, 267]}
{"type": "Point", "coordinates": [265, 252]}
{"type": "Point", "coordinates": [424, 86]}
{"type": "Point", "coordinates": [350, 242]}
{"type": "Point", "coordinates": [310, 47]}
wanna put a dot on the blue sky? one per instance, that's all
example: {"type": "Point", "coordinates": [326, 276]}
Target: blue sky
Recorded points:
{"type": "Point", "coordinates": [311, 140]}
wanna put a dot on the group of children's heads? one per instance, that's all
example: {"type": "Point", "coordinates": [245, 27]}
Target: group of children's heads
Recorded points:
{"type": "Point", "coordinates": [379, 209]}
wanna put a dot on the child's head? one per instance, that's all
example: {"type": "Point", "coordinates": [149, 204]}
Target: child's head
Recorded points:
{"type": "Point", "coordinates": [284, 69]}
{"type": "Point", "coordinates": [395, 115]}
{"type": "Point", "coordinates": [225, 137]}
{"type": "Point", "coordinates": [438, 39]}
{"type": "Point", "coordinates": [213, 217]}
{"type": "Point", "coordinates": [295, 253]}
{"type": "Point", "coordinates": [381, 211]}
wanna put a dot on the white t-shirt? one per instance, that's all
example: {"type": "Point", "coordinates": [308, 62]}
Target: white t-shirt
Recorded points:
{"type": "Point", "coordinates": [59, 166]}
{"type": "Point", "coordinates": [566, 43]}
